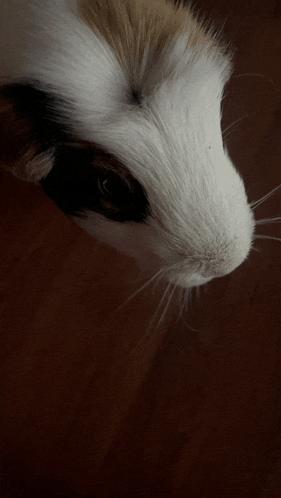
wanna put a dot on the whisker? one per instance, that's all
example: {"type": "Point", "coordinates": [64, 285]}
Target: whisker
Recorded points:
{"type": "Point", "coordinates": [267, 237]}
{"type": "Point", "coordinates": [186, 302]}
{"type": "Point", "coordinates": [224, 96]}
{"type": "Point", "coordinates": [255, 204]}
{"type": "Point", "coordinates": [158, 307]}
{"type": "Point", "coordinates": [140, 289]}
{"type": "Point", "coordinates": [167, 306]}
{"type": "Point", "coordinates": [188, 296]}
{"type": "Point", "coordinates": [237, 121]}
{"type": "Point", "coordinates": [192, 329]}
{"type": "Point", "coordinates": [164, 271]}
{"type": "Point", "coordinates": [197, 290]}
{"type": "Point", "coordinates": [143, 341]}
{"type": "Point", "coordinates": [182, 302]}
{"type": "Point", "coordinates": [268, 220]}
{"type": "Point", "coordinates": [187, 299]}
{"type": "Point", "coordinates": [261, 76]}
{"type": "Point", "coordinates": [253, 112]}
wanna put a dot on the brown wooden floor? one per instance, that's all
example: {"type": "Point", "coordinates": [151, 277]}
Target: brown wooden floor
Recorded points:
{"type": "Point", "coordinates": [94, 403]}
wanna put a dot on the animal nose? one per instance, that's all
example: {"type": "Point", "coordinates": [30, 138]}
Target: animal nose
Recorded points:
{"type": "Point", "coordinates": [216, 270]}
{"type": "Point", "coordinates": [211, 273]}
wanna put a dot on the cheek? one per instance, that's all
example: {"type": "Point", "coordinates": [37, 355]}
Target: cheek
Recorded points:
{"type": "Point", "coordinates": [132, 239]}
{"type": "Point", "coordinates": [188, 280]}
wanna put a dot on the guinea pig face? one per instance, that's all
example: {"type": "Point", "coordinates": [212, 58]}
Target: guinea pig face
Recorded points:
{"type": "Point", "coordinates": [194, 219]}
{"type": "Point", "coordinates": [121, 106]}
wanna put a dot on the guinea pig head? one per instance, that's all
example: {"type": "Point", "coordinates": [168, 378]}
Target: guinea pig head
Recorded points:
{"type": "Point", "coordinates": [191, 214]}
{"type": "Point", "coordinates": [121, 106]}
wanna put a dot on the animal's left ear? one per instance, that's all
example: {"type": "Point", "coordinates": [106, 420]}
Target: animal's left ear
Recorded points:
{"type": "Point", "coordinates": [28, 131]}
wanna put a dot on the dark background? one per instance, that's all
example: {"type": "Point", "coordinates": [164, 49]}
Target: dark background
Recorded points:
{"type": "Point", "coordinates": [94, 403]}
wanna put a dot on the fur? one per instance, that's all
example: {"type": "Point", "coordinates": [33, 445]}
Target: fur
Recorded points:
{"type": "Point", "coordinates": [144, 80]}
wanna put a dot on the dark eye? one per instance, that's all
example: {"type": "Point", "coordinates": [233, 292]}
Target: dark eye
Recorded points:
{"type": "Point", "coordinates": [113, 187]}
{"type": "Point", "coordinates": [104, 187]}
{"type": "Point", "coordinates": [79, 183]}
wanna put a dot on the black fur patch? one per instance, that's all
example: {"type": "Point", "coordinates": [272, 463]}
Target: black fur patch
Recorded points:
{"type": "Point", "coordinates": [83, 176]}
{"type": "Point", "coordinates": [83, 179]}
{"type": "Point", "coordinates": [39, 107]}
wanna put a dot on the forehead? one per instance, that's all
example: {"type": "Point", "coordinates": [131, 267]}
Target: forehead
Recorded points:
{"type": "Point", "coordinates": [132, 26]}
{"type": "Point", "coordinates": [115, 49]}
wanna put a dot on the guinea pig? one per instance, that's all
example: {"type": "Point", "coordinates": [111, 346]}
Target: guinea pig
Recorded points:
{"type": "Point", "coordinates": [114, 107]}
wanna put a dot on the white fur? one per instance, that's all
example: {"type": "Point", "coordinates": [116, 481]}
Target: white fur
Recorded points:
{"type": "Point", "coordinates": [201, 222]}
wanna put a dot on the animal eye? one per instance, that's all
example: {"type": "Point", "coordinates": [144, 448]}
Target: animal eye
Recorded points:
{"type": "Point", "coordinates": [104, 186]}
{"type": "Point", "coordinates": [112, 186]}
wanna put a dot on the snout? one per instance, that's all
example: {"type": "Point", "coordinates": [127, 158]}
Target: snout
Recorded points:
{"type": "Point", "coordinates": [219, 254]}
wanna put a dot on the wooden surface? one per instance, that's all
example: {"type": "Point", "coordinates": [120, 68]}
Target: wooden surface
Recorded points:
{"type": "Point", "coordinates": [98, 402]}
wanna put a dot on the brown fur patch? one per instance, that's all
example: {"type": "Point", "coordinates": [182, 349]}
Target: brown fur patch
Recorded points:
{"type": "Point", "coordinates": [132, 26]}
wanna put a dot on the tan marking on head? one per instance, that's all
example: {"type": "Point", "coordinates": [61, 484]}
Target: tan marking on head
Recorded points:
{"type": "Point", "coordinates": [132, 27]}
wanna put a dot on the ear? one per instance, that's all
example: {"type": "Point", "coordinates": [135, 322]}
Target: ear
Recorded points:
{"type": "Point", "coordinates": [29, 131]}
